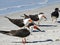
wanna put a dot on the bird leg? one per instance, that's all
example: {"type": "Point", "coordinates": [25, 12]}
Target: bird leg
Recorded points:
{"type": "Point", "coordinates": [24, 40]}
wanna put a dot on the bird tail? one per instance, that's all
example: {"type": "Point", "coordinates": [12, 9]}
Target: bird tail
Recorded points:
{"type": "Point", "coordinates": [6, 17]}
{"type": "Point", "coordinates": [12, 20]}
{"type": "Point", "coordinates": [4, 32]}
{"type": "Point", "coordinates": [26, 16]}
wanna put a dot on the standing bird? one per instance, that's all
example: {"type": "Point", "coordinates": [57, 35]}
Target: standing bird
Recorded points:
{"type": "Point", "coordinates": [23, 33]}
{"type": "Point", "coordinates": [36, 17]}
{"type": "Point", "coordinates": [55, 15]}
{"type": "Point", "coordinates": [20, 22]}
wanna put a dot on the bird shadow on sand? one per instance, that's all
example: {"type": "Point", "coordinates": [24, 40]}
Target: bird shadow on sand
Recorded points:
{"type": "Point", "coordinates": [38, 31]}
{"type": "Point", "coordinates": [47, 25]}
{"type": "Point", "coordinates": [36, 41]}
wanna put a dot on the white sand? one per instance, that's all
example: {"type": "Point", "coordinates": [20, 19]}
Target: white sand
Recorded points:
{"type": "Point", "coordinates": [37, 38]}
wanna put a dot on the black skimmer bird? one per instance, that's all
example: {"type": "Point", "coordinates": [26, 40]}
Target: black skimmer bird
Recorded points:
{"type": "Point", "coordinates": [36, 17]}
{"type": "Point", "coordinates": [23, 33]}
{"type": "Point", "coordinates": [20, 22]}
{"type": "Point", "coordinates": [55, 14]}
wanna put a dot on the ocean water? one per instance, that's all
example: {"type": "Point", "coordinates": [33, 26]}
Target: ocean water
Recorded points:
{"type": "Point", "coordinates": [11, 6]}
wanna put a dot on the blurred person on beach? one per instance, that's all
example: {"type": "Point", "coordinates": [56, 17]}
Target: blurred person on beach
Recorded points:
{"type": "Point", "coordinates": [55, 15]}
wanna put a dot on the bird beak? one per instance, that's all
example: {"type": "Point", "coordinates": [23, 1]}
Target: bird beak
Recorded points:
{"type": "Point", "coordinates": [30, 21]}
{"type": "Point", "coordinates": [35, 27]}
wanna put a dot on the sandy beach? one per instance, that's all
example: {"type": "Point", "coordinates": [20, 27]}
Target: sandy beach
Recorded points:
{"type": "Point", "coordinates": [51, 36]}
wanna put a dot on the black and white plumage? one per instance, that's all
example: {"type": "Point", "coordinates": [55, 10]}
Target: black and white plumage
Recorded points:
{"type": "Point", "coordinates": [23, 33]}
{"type": "Point", "coordinates": [19, 22]}
{"type": "Point", "coordinates": [36, 17]}
{"type": "Point", "coordinates": [33, 17]}
{"type": "Point", "coordinates": [18, 33]}
{"type": "Point", "coordinates": [55, 13]}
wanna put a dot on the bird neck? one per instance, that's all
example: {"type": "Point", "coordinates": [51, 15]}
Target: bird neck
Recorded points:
{"type": "Point", "coordinates": [40, 16]}
{"type": "Point", "coordinates": [31, 28]}
{"type": "Point", "coordinates": [26, 20]}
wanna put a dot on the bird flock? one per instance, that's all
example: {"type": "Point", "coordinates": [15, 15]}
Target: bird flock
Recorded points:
{"type": "Point", "coordinates": [27, 24]}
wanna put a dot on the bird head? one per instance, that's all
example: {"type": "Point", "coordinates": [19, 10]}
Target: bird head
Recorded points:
{"type": "Point", "coordinates": [33, 26]}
